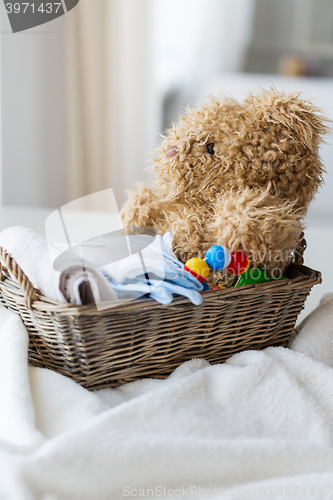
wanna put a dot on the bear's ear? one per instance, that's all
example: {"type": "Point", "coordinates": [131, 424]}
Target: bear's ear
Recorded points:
{"type": "Point", "coordinates": [298, 115]}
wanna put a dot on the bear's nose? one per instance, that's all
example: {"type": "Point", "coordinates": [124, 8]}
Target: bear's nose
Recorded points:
{"type": "Point", "coordinates": [171, 151]}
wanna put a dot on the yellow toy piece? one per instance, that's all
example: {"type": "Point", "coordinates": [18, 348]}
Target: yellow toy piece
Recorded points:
{"type": "Point", "coordinates": [198, 268]}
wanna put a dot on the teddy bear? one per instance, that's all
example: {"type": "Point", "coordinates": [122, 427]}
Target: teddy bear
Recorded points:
{"type": "Point", "coordinates": [240, 175]}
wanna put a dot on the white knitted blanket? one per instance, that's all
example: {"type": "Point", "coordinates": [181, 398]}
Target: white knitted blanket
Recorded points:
{"type": "Point", "coordinates": [257, 426]}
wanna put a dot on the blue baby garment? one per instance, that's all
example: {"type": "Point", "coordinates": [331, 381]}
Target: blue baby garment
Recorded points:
{"type": "Point", "coordinates": [154, 271]}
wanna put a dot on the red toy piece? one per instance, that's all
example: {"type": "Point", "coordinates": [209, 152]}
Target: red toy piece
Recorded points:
{"type": "Point", "coordinates": [239, 264]}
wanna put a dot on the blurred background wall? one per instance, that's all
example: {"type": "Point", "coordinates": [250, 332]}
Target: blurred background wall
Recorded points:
{"type": "Point", "coordinates": [34, 115]}
{"type": "Point", "coordinates": [85, 97]}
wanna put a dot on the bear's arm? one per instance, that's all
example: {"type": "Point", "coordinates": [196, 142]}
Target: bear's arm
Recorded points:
{"type": "Point", "coordinates": [142, 208]}
{"type": "Point", "coordinates": [265, 226]}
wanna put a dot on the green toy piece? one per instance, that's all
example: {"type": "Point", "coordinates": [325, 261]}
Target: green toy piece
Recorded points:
{"type": "Point", "coordinates": [252, 276]}
{"type": "Point", "coordinates": [255, 276]}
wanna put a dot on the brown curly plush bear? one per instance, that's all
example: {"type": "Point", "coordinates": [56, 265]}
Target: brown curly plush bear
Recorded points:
{"type": "Point", "coordinates": [236, 174]}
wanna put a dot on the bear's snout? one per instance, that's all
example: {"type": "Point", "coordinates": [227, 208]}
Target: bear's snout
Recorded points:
{"type": "Point", "coordinates": [171, 151]}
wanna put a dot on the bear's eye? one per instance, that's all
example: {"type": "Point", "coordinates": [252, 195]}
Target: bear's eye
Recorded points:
{"type": "Point", "coordinates": [210, 148]}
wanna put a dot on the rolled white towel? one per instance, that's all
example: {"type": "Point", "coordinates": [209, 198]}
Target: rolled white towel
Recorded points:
{"type": "Point", "coordinates": [71, 284]}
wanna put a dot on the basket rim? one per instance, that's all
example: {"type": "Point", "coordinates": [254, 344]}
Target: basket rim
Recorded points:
{"type": "Point", "coordinates": [42, 303]}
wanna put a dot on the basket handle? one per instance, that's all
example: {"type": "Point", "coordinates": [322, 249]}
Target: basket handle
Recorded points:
{"type": "Point", "coordinates": [300, 249]}
{"type": "Point", "coordinates": [9, 264]}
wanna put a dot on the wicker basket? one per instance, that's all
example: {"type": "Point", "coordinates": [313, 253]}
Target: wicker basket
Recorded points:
{"type": "Point", "coordinates": [146, 339]}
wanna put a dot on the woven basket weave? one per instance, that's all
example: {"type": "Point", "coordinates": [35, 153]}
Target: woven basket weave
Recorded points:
{"type": "Point", "coordinates": [146, 339]}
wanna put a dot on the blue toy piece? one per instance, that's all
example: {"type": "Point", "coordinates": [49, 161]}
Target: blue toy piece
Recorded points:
{"type": "Point", "coordinates": [205, 286]}
{"type": "Point", "coordinates": [218, 257]}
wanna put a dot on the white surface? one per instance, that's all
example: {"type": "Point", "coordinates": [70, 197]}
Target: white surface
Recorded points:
{"type": "Point", "coordinates": [262, 419]}
{"type": "Point", "coordinates": [33, 218]}
{"type": "Point", "coordinates": [96, 222]}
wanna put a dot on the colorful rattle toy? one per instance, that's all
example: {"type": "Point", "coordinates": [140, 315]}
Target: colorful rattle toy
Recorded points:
{"type": "Point", "coordinates": [219, 257]}
{"type": "Point", "coordinates": [198, 268]}
{"type": "Point", "coordinates": [237, 263]}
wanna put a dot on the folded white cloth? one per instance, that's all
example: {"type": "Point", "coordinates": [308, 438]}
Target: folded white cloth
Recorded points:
{"type": "Point", "coordinates": [262, 422]}
{"type": "Point", "coordinates": [35, 257]}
